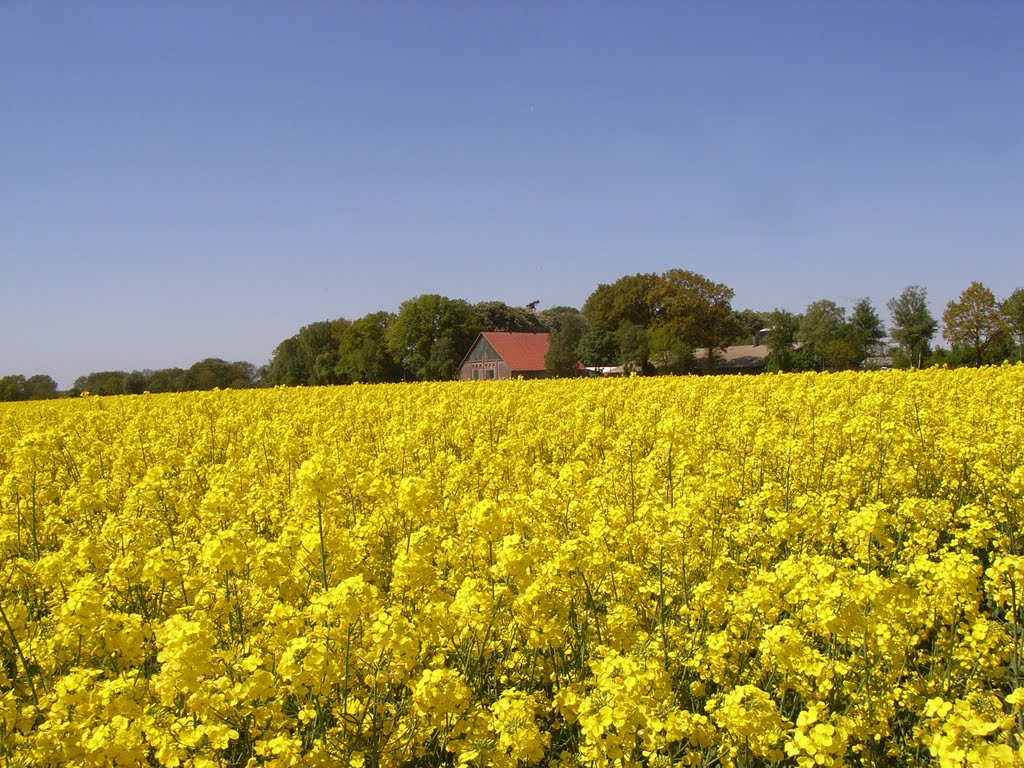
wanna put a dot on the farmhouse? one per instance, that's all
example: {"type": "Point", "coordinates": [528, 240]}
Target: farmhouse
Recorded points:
{"type": "Point", "coordinates": [744, 358]}
{"type": "Point", "coordinates": [503, 355]}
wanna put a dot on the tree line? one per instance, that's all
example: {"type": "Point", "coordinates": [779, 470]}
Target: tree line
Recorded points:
{"type": "Point", "coordinates": [211, 373]}
{"type": "Point", "coordinates": [674, 322]}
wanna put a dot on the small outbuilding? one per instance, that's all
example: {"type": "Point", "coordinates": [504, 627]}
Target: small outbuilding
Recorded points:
{"type": "Point", "coordinates": [504, 355]}
{"type": "Point", "coordinates": [744, 358]}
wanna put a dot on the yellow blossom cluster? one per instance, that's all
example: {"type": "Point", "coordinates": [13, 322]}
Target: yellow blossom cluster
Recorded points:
{"type": "Point", "coordinates": [806, 570]}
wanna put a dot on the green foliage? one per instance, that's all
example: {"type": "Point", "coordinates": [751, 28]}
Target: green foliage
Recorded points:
{"type": "Point", "coordinates": [912, 324]}
{"type": "Point", "coordinates": [694, 312]}
{"type": "Point", "coordinates": [310, 357]}
{"type": "Point", "coordinates": [214, 373]}
{"type": "Point", "coordinates": [782, 329]}
{"type": "Point", "coordinates": [12, 388]}
{"type": "Point", "coordinates": [553, 318]}
{"type": "Point", "coordinates": [667, 352]}
{"type": "Point", "coordinates": [646, 321]}
{"type": "Point", "coordinates": [634, 347]}
{"type": "Point", "coordinates": [974, 320]}
{"type": "Point", "coordinates": [597, 347]}
{"type": "Point", "coordinates": [750, 323]}
{"type": "Point", "coordinates": [103, 383]}
{"type": "Point", "coordinates": [40, 387]}
{"type": "Point", "coordinates": [431, 334]}
{"type": "Point", "coordinates": [783, 356]}
{"type": "Point", "coordinates": [167, 380]}
{"type": "Point", "coordinates": [630, 299]}
{"type": "Point", "coordinates": [286, 366]}
{"type": "Point", "coordinates": [819, 331]}
{"type": "Point", "coordinates": [363, 354]}
{"type": "Point", "coordinates": [865, 329]}
{"type": "Point", "coordinates": [566, 329]}
{"type": "Point", "coordinates": [697, 310]}
{"type": "Point", "coordinates": [499, 316]}
{"type": "Point", "coordinates": [211, 373]}
{"type": "Point", "coordinates": [560, 359]}
{"type": "Point", "coordinates": [1000, 350]}
{"type": "Point", "coordinates": [17, 387]}
{"type": "Point", "coordinates": [833, 341]}
{"type": "Point", "coordinates": [1013, 318]}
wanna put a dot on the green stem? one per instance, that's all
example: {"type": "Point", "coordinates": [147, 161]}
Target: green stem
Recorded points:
{"type": "Point", "coordinates": [323, 549]}
{"type": "Point", "coordinates": [21, 656]}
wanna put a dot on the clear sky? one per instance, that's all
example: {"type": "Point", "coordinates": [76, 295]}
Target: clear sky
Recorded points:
{"type": "Point", "coordinates": [183, 180]}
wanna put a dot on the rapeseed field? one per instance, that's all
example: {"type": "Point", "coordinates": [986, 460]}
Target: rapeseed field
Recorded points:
{"type": "Point", "coordinates": [816, 569]}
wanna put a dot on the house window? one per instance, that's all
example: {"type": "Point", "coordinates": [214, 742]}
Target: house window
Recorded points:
{"type": "Point", "coordinates": [489, 373]}
{"type": "Point", "coordinates": [476, 374]}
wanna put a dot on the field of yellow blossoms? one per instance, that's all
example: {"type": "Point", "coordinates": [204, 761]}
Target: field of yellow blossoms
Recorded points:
{"type": "Point", "coordinates": [817, 569]}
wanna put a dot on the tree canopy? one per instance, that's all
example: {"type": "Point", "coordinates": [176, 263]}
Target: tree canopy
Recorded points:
{"type": "Point", "coordinates": [17, 387]}
{"type": "Point", "coordinates": [1013, 317]}
{"type": "Point", "coordinates": [698, 311]}
{"type": "Point", "coordinates": [566, 328]}
{"type": "Point", "coordinates": [630, 299]}
{"type": "Point", "coordinates": [974, 320]}
{"type": "Point", "coordinates": [431, 335]}
{"type": "Point", "coordinates": [499, 316]}
{"type": "Point", "coordinates": [683, 309]}
{"type": "Point", "coordinates": [310, 357]}
{"type": "Point", "coordinates": [912, 323]}
{"type": "Point", "coordinates": [833, 340]}
{"type": "Point", "coordinates": [210, 373]}
{"type": "Point", "coordinates": [363, 353]}
{"type": "Point", "coordinates": [865, 330]}
{"type": "Point", "coordinates": [783, 356]}
{"type": "Point", "coordinates": [214, 373]}
{"type": "Point", "coordinates": [820, 332]}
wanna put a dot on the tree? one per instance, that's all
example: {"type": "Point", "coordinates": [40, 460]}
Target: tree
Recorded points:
{"type": "Point", "coordinates": [667, 352]}
{"type": "Point", "coordinates": [694, 311]}
{"type": "Point", "coordinates": [214, 373]}
{"type": "Point", "coordinates": [697, 310]}
{"type": "Point", "coordinates": [135, 383]}
{"type": "Point", "coordinates": [566, 329]}
{"type": "Point", "coordinates": [167, 380]}
{"type": "Point", "coordinates": [308, 357]}
{"type": "Point", "coordinates": [560, 359]}
{"type": "Point", "coordinates": [12, 388]}
{"type": "Point", "coordinates": [634, 347]}
{"type": "Point", "coordinates": [553, 318]}
{"type": "Point", "coordinates": [974, 320]}
{"type": "Point", "coordinates": [783, 327]}
{"type": "Point", "coordinates": [630, 299]}
{"type": "Point", "coordinates": [431, 334]}
{"type": "Point", "coordinates": [318, 346]}
{"type": "Point", "coordinates": [912, 324]}
{"type": "Point", "coordinates": [829, 340]}
{"type": "Point", "coordinates": [1013, 317]}
{"type": "Point", "coordinates": [597, 346]}
{"type": "Point", "coordinates": [499, 316]}
{"type": "Point", "coordinates": [752, 323]}
{"type": "Point", "coordinates": [865, 329]}
{"type": "Point", "coordinates": [40, 387]}
{"type": "Point", "coordinates": [286, 367]}
{"type": "Point", "coordinates": [37, 387]}
{"type": "Point", "coordinates": [820, 331]}
{"type": "Point", "coordinates": [363, 353]}
{"type": "Point", "coordinates": [102, 383]}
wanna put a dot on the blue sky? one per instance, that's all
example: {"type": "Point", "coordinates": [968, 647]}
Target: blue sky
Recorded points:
{"type": "Point", "coordinates": [194, 179]}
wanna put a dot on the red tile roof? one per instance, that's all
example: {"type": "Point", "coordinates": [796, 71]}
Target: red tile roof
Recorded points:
{"type": "Point", "coordinates": [520, 351]}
